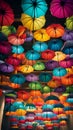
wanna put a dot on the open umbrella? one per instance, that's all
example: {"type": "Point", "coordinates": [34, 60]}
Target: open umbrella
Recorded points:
{"type": "Point", "coordinates": [69, 23]}
{"type": "Point", "coordinates": [34, 8]}
{"type": "Point", "coordinates": [55, 30]}
{"type": "Point", "coordinates": [6, 14]}
{"type": "Point", "coordinates": [66, 63]}
{"type": "Point", "coordinates": [5, 47]}
{"type": "Point", "coordinates": [13, 61]}
{"type": "Point", "coordinates": [59, 72]}
{"type": "Point", "coordinates": [32, 23]}
{"type": "Point", "coordinates": [68, 35]}
{"type": "Point", "coordinates": [7, 68]}
{"type": "Point", "coordinates": [35, 85]}
{"type": "Point", "coordinates": [32, 77]}
{"type": "Point", "coordinates": [41, 35]}
{"type": "Point", "coordinates": [48, 114]}
{"type": "Point", "coordinates": [55, 44]}
{"type": "Point", "coordinates": [39, 66]}
{"type": "Point", "coordinates": [17, 78]}
{"type": "Point", "coordinates": [26, 69]}
{"type": "Point", "coordinates": [23, 95]}
{"type": "Point", "coordinates": [51, 64]}
{"type": "Point", "coordinates": [70, 98]}
{"type": "Point", "coordinates": [47, 54]}
{"type": "Point", "coordinates": [59, 56]}
{"type": "Point", "coordinates": [29, 36]}
{"type": "Point", "coordinates": [30, 107]}
{"type": "Point", "coordinates": [68, 50]}
{"type": "Point", "coordinates": [60, 89]}
{"type": "Point", "coordinates": [67, 79]}
{"type": "Point", "coordinates": [52, 97]}
{"type": "Point", "coordinates": [61, 8]}
{"type": "Point", "coordinates": [54, 83]}
{"type": "Point", "coordinates": [15, 40]}
{"type": "Point", "coordinates": [17, 49]}
{"type": "Point", "coordinates": [32, 55]}
{"type": "Point", "coordinates": [40, 46]}
{"type": "Point", "coordinates": [45, 77]}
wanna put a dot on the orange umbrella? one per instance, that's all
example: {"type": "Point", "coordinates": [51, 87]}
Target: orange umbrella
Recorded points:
{"type": "Point", "coordinates": [59, 56]}
{"type": "Point", "coordinates": [55, 30]}
{"type": "Point", "coordinates": [67, 80]}
{"type": "Point", "coordinates": [54, 83]}
{"type": "Point", "coordinates": [35, 93]}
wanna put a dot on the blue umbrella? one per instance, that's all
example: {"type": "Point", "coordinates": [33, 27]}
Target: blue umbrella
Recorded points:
{"type": "Point", "coordinates": [30, 107]}
{"type": "Point", "coordinates": [70, 98]}
{"type": "Point", "coordinates": [32, 55]}
{"type": "Point", "coordinates": [48, 114]}
{"type": "Point", "coordinates": [55, 44]}
{"type": "Point", "coordinates": [40, 46]}
{"type": "Point", "coordinates": [52, 97]}
{"type": "Point", "coordinates": [59, 72]}
{"type": "Point", "coordinates": [17, 49]}
{"type": "Point", "coordinates": [45, 77]}
{"type": "Point", "coordinates": [68, 50]}
{"type": "Point", "coordinates": [47, 107]}
{"type": "Point", "coordinates": [34, 8]}
{"type": "Point", "coordinates": [17, 78]}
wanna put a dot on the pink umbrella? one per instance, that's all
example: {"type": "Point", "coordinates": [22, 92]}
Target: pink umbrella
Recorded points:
{"type": "Point", "coordinates": [61, 8]}
{"type": "Point", "coordinates": [13, 61]}
{"type": "Point", "coordinates": [15, 40]}
{"type": "Point", "coordinates": [5, 47]}
{"type": "Point", "coordinates": [66, 63]}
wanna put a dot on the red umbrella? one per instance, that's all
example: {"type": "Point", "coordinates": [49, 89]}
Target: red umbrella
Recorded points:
{"type": "Point", "coordinates": [48, 54]}
{"type": "Point", "coordinates": [5, 47]}
{"type": "Point", "coordinates": [6, 14]}
{"type": "Point", "coordinates": [13, 61]}
{"type": "Point", "coordinates": [15, 39]}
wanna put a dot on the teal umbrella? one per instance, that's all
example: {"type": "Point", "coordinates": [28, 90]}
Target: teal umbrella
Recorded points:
{"type": "Point", "coordinates": [51, 97]}
{"type": "Point", "coordinates": [47, 107]}
{"type": "Point", "coordinates": [59, 72]}
{"type": "Point", "coordinates": [45, 77]}
{"type": "Point", "coordinates": [17, 49]}
{"type": "Point", "coordinates": [34, 8]}
{"type": "Point", "coordinates": [32, 55]}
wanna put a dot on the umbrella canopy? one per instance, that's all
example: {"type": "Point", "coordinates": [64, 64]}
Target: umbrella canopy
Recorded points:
{"type": "Point", "coordinates": [46, 89]}
{"type": "Point", "coordinates": [17, 78]}
{"type": "Point", "coordinates": [32, 55]}
{"type": "Point", "coordinates": [6, 14]}
{"type": "Point", "coordinates": [51, 97]}
{"type": "Point", "coordinates": [32, 77]}
{"type": "Point", "coordinates": [29, 36]}
{"type": "Point", "coordinates": [48, 114]}
{"type": "Point", "coordinates": [68, 35]}
{"type": "Point", "coordinates": [17, 49]}
{"type": "Point", "coordinates": [60, 89]}
{"type": "Point", "coordinates": [55, 44]}
{"type": "Point", "coordinates": [23, 95]}
{"type": "Point", "coordinates": [13, 61]}
{"type": "Point", "coordinates": [59, 72]}
{"type": "Point", "coordinates": [47, 107]}
{"type": "Point", "coordinates": [51, 64]}
{"type": "Point", "coordinates": [59, 56]}
{"type": "Point", "coordinates": [35, 85]}
{"type": "Point", "coordinates": [67, 80]}
{"type": "Point", "coordinates": [34, 8]}
{"type": "Point", "coordinates": [70, 98]}
{"type": "Point", "coordinates": [26, 69]}
{"type": "Point", "coordinates": [39, 66]}
{"type": "Point", "coordinates": [61, 8]}
{"type": "Point", "coordinates": [41, 35]}
{"type": "Point", "coordinates": [66, 63]}
{"type": "Point", "coordinates": [69, 23]}
{"type": "Point", "coordinates": [48, 54]}
{"type": "Point", "coordinates": [7, 68]}
{"type": "Point", "coordinates": [15, 40]}
{"type": "Point", "coordinates": [45, 77]}
{"type": "Point", "coordinates": [32, 23]}
{"type": "Point", "coordinates": [68, 50]}
{"type": "Point", "coordinates": [6, 30]}
{"type": "Point", "coordinates": [20, 112]}
{"type": "Point", "coordinates": [54, 83]}
{"type": "Point", "coordinates": [5, 47]}
{"type": "Point", "coordinates": [55, 30]}
{"type": "Point", "coordinates": [30, 107]}
{"type": "Point", "coordinates": [40, 46]}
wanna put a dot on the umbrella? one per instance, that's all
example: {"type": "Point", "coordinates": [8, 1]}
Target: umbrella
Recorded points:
{"type": "Point", "coordinates": [59, 56]}
{"type": "Point", "coordinates": [32, 77]}
{"type": "Point", "coordinates": [38, 102]}
{"type": "Point", "coordinates": [34, 8]}
{"type": "Point", "coordinates": [67, 80]}
{"type": "Point", "coordinates": [41, 35]}
{"type": "Point", "coordinates": [39, 66]}
{"type": "Point", "coordinates": [17, 49]}
{"type": "Point", "coordinates": [35, 93]}
{"type": "Point", "coordinates": [55, 44]}
{"type": "Point", "coordinates": [54, 83]}
{"type": "Point", "coordinates": [68, 50]}
{"type": "Point", "coordinates": [32, 23]}
{"type": "Point", "coordinates": [20, 56]}
{"type": "Point", "coordinates": [51, 97]}
{"type": "Point", "coordinates": [6, 30]}
{"type": "Point", "coordinates": [13, 61]}
{"type": "Point", "coordinates": [46, 89]}
{"type": "Point", "coordinates": [47, 107]}
{"type": "Point", "coordinates": [6, 88]}
{"type": "Point", "coordinates": [40, 46]}
{"type": "Point", "coordinates": [26, 69]}
{"type": "Point", "coordinates": [29, 36]}
{"type": "Point", "coordinates": [15, 40]}
{"type": "Point", "coordinates": [32, 55]}
{"type": "Point", "coordinates": [70, 98]}
{"type": "Point", "coordinates": [69, 89]}
{"type": "Point", "coordinates": [51, 64]}
{"type": "Point", "coordinates": [6, 14]}
{"type": "Point", "coordinates": [17, 78]}
{"type": "Point", "coordinates": [61, 8]}
{"type": "Point", "coordinates": [59, 72]}
{"type": "Point", "coordinates": [30, 107]}
{"type": "Point", "coordinates": [68, 35]}
{"type": "Point", "coordinates": [20, 112]}
{"type": "Point", "coordinates": [2, 37]}
{"type": "Point", "coordinates": [66, 63]}
{"type": "Point", "coordinates": [5, 47]}
{"type": "Point", "coordinates": [55, 30]}
{"type": "Point", "coordinates": [60, 89]}
{"type": "Point", "coordinates": [7, 68]}
{"type": "Point", "coordinates": [35, 85]}
{"type": "Point", "coordinates": [45, 77]}
{"type": "Point", "coordinates": [48, 114]}
{"type": "Point", "coordinates": [23, 95]}
{"type": "Point", "coordinates": [48, 54]}
{"type": "Point", "coordinates": [69, 23]}
{"type": "Point", "coordinates": [11, 95]}
{"type": "Point", "coordinates": [68, 110]}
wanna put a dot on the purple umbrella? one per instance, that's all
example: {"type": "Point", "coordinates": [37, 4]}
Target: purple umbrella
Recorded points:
{"type": "Point", "coordinates": [29, 36]}
{"type": "Point", "coordinates": [66, 63]}
{"type": "Point", "coordinates": [68, 35]}
{"type": "Point", "coordinates": [60, 89]}
{"type": "Point", "coordinates": [61, 8]}
{"type": "Point", "coordinates": [5, 47]}
{"type": "Point", "coordinates": [7, 68]}
{"type": "Point", "coordinates": [32, 77]}
{"type": "Point", "coordinates": [50, 65]}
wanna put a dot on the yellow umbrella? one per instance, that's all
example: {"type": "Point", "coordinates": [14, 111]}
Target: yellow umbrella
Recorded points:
{"type": "Point", "coordinates": [20, 112]}
{"type": "Point", "coordinates": [32, 23]}
{"type": "Point", "coordinates": [26, 69]}
{"type": "Point", "coordinates": [59, 56]}
{"type": "Point", "coordinates": [41, 35]}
